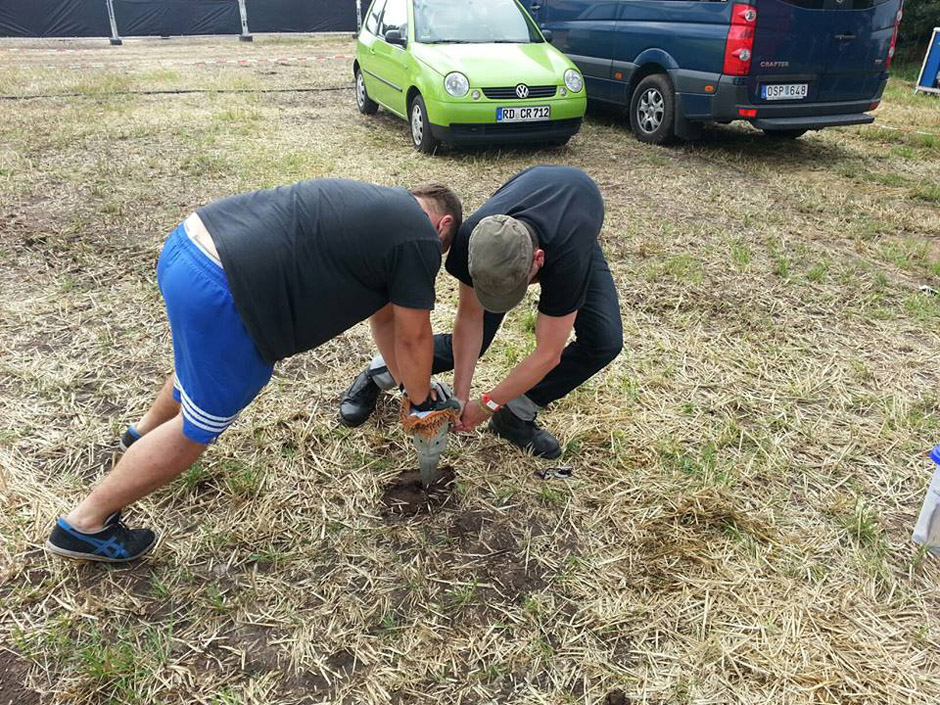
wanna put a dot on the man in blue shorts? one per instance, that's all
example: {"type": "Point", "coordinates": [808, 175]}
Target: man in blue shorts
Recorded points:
{"type": "Point", "coordinates": [253, 279]}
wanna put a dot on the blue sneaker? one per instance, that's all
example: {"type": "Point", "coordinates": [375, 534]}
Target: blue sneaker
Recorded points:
{"type": "Point", "coordinates": [115, 543]}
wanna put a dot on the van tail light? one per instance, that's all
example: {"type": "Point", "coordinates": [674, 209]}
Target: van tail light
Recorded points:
{"type": "Point", "coordinates": [739, 49]}
{"type": "Point", "coordinates": [894, 37]}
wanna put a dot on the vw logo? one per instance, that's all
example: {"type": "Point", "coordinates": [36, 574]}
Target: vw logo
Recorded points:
{"type": "Point", "coordinates": [522, 90]}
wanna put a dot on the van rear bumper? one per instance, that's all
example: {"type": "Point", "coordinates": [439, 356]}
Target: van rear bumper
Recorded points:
{"type": "Point", "coordinates": [731, 97]}
{"type": "Point", "coordinates": [812, 123]}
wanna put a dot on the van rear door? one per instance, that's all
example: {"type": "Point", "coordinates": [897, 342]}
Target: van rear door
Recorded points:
{"type": "Point", "coordinates": [862, 31]}
{"type": "Point", "coordinates": [837, 47]}
{"type": "Point", "coordinates": [791, 46]}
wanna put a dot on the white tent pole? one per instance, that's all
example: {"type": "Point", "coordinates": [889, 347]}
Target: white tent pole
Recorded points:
{"type": "Point", "coordinates": [115, 39]}
{"type": "Point", "coordinates": [243, 12]}
{"type": "Point", "coordinates": [358, 16]}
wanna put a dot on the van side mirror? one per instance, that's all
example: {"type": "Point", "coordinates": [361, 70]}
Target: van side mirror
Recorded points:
{"type": "Point", "coordinates": [547, 33]}
{"type": "Point", "coordinates": [393, 36]}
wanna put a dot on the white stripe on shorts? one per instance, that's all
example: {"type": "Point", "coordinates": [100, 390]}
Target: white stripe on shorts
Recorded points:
{"type": "Point", "coordinates": [198, 417]}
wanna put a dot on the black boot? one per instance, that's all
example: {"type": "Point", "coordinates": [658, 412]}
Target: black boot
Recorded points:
{"type": "Point", "coordinates": [358, 402]}
{"type": "Point", "coordinates": [528, 435]}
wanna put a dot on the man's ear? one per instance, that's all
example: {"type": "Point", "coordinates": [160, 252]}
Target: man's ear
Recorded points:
{"type": "Point", "coordinates": [444, 224]}
{"type": "Point", "coordinates": [444, 227]}
{"type": "Point", "coordinates": [539, 258]}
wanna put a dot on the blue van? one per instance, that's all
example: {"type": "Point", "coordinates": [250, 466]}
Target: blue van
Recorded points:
{"type": "Point", "coordinates": [787, 66]}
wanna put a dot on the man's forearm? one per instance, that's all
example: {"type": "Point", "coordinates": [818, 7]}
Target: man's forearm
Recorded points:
{"type": "Point", "coordinates": [383, 332]}
{"type": "Point", "coordinates": [414, 356]}
{"type": "Point", "coordinates": [467, 342]}
{"type": "Point", "coordinates": [526, 375]}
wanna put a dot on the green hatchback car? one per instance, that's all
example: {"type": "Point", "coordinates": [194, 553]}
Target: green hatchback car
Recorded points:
{"type": "Point", "coordinates": [466, 72]}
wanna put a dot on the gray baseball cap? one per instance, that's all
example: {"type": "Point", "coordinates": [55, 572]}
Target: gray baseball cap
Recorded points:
{"type": "Point", "coordinates": [501, 253]}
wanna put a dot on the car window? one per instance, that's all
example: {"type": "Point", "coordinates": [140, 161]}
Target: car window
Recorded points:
{"type": "Point", "coordinates": [372, 20]}
{"type": "Point", "coordinates": [472, 22]}
{"type": "Point", "coordinates": [395, 17]}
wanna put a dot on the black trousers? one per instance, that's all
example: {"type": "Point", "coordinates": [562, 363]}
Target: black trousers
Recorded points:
{"type": "Point", "coordinates": [598, 338]}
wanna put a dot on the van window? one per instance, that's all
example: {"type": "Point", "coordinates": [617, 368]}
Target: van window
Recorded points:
{"type": "Point", "coordinates": [566, 11]}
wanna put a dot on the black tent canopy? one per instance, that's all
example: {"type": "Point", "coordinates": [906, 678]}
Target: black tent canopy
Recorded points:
{"type": "Point", "coordinates": [89, 18]}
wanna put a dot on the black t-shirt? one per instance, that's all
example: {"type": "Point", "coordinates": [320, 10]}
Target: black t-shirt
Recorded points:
{"type": "Point", "coordinates": [307, 262]}
{"type": "Point", "coordinates": [564, 207]}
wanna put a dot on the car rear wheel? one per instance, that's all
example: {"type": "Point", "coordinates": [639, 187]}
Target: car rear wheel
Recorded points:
{"type": "Point", "coordinates": [421, 135]}
{"type": "Point", "coordinates": [652, 110]}
{"type": "Point", "coordinates": [366, 105]}
{"type": "Point", "coordinates": [784, 134]}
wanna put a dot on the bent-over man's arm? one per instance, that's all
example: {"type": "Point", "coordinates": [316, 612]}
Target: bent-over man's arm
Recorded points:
{"type": "Point", "coordinates": [413, 351]}
{"type": "Point", "coordinates": [551, 336]}
{"type": "Point", "coordinates": [411, 270]}
{"type": "Point", "coordinates": [382, 323]}
{"type": "Point", "coordinates": [467, 341]}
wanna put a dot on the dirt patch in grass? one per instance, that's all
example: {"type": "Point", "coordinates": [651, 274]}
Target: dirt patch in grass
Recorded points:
{"type": "Point", "coordinates": [616, 697]}
{"type": "Point", "coordinates": [254, 641]}
{"type": "Point", "coordinates": [406, 496]}
{"type": "Point", "coordinates": [337, 669]}
{"type": "Point", "coordinates": [13, 671]}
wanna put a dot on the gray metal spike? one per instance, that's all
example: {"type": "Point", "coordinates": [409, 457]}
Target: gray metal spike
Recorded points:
{"type": "Point", "coordinates": [429, 454]}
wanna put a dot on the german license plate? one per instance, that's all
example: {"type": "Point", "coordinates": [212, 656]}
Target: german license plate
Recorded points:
{"type": "Point", "coordinates": [784, 91]}
{"type": "Point", "coordinates": [524, 114]}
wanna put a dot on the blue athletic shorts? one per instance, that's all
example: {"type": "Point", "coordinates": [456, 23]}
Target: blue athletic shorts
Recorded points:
{"type": "Point", "coordinates": [219, 369]}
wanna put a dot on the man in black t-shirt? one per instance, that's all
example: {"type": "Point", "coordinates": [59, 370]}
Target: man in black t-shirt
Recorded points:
{"type": "Point", "coordinates": [253, 279]}
{"type": "Point", "coordinates": [540, 227]}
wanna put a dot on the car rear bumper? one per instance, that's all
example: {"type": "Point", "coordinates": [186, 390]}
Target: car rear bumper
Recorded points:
{"type": "Point", "coordinates": [731, 97]}
{"type": "Point", "coordinates": [500, 133]}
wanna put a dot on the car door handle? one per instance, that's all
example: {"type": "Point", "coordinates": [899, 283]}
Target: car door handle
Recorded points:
{"type": "Point", "coordinates": [535, 7]}
{"type": "Point", "coordinates": [846, 37]}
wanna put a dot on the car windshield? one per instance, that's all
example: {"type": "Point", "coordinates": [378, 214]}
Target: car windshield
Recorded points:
{"type": "Point", "coordinates": [472, 22]}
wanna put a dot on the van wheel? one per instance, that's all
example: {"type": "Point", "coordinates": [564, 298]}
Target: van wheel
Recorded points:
{"type": "Point", "coordinates": [653, 110]}
{"type": "Point", "coordinates": [784, 134]}
{"type": "Point", "coordinates": [366, 105]}
{"type": "Point", "coordinates": [421, 135]}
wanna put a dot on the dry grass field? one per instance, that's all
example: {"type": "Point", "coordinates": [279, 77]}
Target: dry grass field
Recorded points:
{"type": "Point", "coordinates": [746, 474]}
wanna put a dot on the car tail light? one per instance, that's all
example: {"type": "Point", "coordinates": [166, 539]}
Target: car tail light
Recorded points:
{"type": "Point", "coordinates": [739, 48]}
{"type": "Point", "coordinates": [894, 37]}
{"type": "Point", "coordinates": [874, 106]}
{"type": "Point", "coordinates": [747, 112]}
